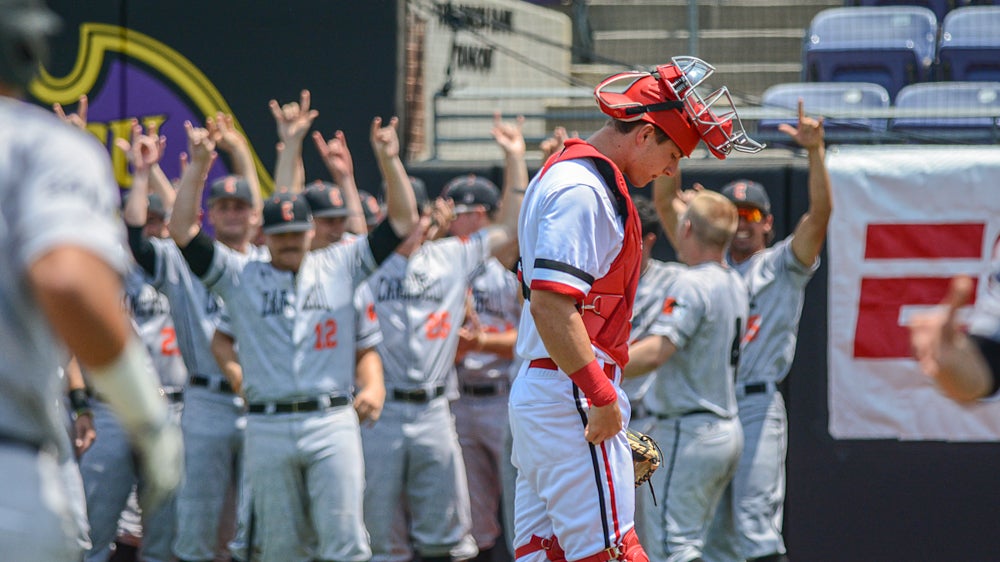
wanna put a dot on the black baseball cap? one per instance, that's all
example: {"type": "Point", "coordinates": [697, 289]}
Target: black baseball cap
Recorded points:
{"type": "Point", "coordinates": [470, 191]}
{"type": "Point", "coordinates": [373, 211]}
{"type": "Point", "coordinates": [154, 204]}
{"type": "Point", "coordinates": [235, 187]}
{"type": "Point", "coordinates": [286, 212]}
{"type": "Point", "coordinates": [748, 192]}
{"type": "Point", "coordinates": [325, 199]}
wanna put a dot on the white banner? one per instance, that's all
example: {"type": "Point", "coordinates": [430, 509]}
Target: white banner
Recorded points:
{"type": "Point", "coordinates": [905, 220]}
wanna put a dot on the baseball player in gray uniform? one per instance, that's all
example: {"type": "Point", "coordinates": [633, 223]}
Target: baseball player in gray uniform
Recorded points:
{"type": "Point", "coordinates": [483, 362]}
{"type": "Point", "coordinates": [655, 275]}
{"type": "Point", "coordinates": [213, 418]}
{"type": "Point", "coordinates": [291, 316]}
{"type": "Point", "coordinates": [694, 344]}
{"type": "Point", "coordinates": [60, 284]}
{"type": "Point", "coordinates": [776, 278]}
{"type": "Point", "coordinates": [412, 455]}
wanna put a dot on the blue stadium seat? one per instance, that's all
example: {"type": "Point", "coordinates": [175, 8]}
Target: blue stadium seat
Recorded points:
{"type": "Point", "coordinates": [824, 99]}
{"type": "Point", "coordinates": [970, 44]}
{"type": "Point", "coordinates": [945, 96]}
{"type": "Point", "coordinates": [891, 46]}
{"type": "Point", "coordinates": [939, 7]}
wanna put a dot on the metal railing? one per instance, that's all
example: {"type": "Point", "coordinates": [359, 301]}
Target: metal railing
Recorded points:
{"type": "Point", "coordinates": [556, 106]}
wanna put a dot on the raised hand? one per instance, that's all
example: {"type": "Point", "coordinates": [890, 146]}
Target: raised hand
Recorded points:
{"type": "Point", "coordinates": [294, 118]}
{"type": "Point", "coordinates": [809, 133]}
{"type": "Point", "coordinates": [144, 151]}
{"type": "Point", "coordinates": [555, 143]}
{"type": "Point", "coordinates": [201, 147]}
{"type": "Point", "coordinates": [335, 154]}
{"type": "Point", "coordinates": [508, 135]}
{"type": "Point", "coordinates": [934, 336]}
{"type": "Point", "coordinates": [224, 133]}
{"type": "Point", "coordinates": [385, 140]}
{"type": "Point", "coordinates": [78, 119]}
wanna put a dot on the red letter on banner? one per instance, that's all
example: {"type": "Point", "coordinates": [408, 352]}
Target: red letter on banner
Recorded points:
{"type": "Point", "coordinates": [878, 334]}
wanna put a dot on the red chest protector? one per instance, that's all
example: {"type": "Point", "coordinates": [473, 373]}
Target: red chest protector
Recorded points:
{"type": "Point", "coordinates": [607, 308]}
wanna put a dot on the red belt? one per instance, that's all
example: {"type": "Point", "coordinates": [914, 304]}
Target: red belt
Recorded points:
{"type": "Point", "coordinates": [548, 363]}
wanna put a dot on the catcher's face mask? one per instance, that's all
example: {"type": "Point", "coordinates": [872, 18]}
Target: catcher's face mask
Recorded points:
{"type": "Point", "coordinates": [669, 99]}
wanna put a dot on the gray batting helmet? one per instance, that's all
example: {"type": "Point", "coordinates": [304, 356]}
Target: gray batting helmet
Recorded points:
{"type": "Point", "coordinates": [25, 26]}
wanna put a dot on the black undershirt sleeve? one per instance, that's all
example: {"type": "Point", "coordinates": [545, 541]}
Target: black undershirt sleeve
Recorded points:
{"type": "Point", "coordinates": [199, 254]}
{"type": "Point", "coordinates": [382, 241]}
{"type": "Point", "coordinates": [991, 352]}
{"type": "Point", "coordinates": [142, 249]}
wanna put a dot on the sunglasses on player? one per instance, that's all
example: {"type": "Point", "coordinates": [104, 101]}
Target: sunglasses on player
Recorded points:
{"type": "Point", "coordinates": [750, 214]}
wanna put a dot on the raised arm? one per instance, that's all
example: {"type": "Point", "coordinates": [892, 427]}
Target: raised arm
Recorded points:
{"type": "Point", "coordinates": [184, 224]}
{"type": "Point", "coordinates": [293, 121]}
{"type": "Point", "coordinates": [159, 183]}
{"type": "Point", "coordinates": [401, 205]}
{"type": "Point", "coordinates": [143, 152]}
{"type": "Point", "coordinates": [337, 158]}
{"type": "Point", "coordinates": [811, 231]}
{"type": "Point", "coordinates": [511, 140]}
{"type": "Point", "coordinates": [946, 354]}
{"type": "Point", "coordinates": [671, 202]}
{"type": "Point", "coordinates": [229, 140]}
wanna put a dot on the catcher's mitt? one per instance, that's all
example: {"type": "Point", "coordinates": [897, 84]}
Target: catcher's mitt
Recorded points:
{"type": "Point", "coordinates": [646, 455]}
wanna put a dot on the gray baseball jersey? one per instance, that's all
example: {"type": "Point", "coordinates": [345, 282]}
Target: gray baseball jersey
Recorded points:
{"type": "Point", "coordinates": [420, 303]}
{"type": "Point", "coordinates": [44, 203]}
{"type": "Point", "coordinates": [196, 311]}
{"type": "Point", "coordinates": [776, 281]}
{"type": "Point", "coordinates": [151, 311]}
{"type": "Point", "coordinates": [290, 326]}
{"type": "Point", "coordinates": [704, 311]}
{"type": "Point", "coordinates": [56, 189]}
{"type": "Point", "coordinates": [646, 309]}
{"type": "Point", "coordinates": [494, 297]}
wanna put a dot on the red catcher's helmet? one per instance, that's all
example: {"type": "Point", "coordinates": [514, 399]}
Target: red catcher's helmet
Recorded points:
{"type": "Point", "coordinates": [669, 99]}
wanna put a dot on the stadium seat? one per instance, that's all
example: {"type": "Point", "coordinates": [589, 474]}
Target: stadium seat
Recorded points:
{"type": "Point", "coordinates": [939, 7]}
{"type": "Point", "coordinates": [943, 97]}
{"type": "Point", "coordinates": [970, 44]}
{"type": "Point", "coordinates": [890, 45]}
{"type": "Point", "coordinates": [825, 99]}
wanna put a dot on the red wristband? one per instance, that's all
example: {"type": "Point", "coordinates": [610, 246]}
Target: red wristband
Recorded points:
{"type": "Point", "coordinates": [595, 384]}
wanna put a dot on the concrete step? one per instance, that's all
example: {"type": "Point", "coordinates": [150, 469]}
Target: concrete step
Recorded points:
{"type": "Point", "coordinates": [608, 15]}
{"type": "Point", "coordinates": [714, 46]}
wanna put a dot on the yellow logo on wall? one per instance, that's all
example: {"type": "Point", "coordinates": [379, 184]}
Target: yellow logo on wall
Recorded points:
{"type": "Point", "coordinates": [129, 75]}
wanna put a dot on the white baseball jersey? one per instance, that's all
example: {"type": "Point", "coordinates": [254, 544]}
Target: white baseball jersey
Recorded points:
{"type": "Point", "coordinates": [704, 312]}
{"type": "Point", "coordinates": [777, 281]}
{"type": "Point", "coordinates": [291, 326]}
{"type": "Point", "coordinates": [56, 189]}
{"type": "Point", "coordinates": [151, 311]}
{"type": "Point", "coordinates": [571, 223]}
{"type": "Point", "coordinates": [494, 296]}
{"type": "Point", "coordinates": [645, 310]}
{"type": "Point", "coordinates": [420, 303]}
